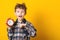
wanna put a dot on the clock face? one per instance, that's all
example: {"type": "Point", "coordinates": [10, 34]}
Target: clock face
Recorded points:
{"type": "Point", "coordinates": [10, 22]}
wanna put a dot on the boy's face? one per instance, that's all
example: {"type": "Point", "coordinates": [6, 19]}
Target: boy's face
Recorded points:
{"type": "Point", "coordinates": [20, 13]}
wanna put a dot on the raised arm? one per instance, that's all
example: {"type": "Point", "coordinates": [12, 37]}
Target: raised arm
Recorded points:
{"type": "Point", "coordinates": [10, 33]}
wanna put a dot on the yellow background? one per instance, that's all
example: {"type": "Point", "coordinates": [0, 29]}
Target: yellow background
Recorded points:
{"type": "Point", "coordinates": [43, 14]}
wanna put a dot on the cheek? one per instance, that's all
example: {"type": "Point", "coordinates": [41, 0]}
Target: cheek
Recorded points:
{"type": "Point", "coordinates": [23, 14]}
{"type": "Point", "coordinates": [17, 14]}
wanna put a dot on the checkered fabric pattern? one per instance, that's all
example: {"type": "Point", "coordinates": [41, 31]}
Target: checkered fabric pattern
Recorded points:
{"type": "Point", "coordinates": [21, 33]}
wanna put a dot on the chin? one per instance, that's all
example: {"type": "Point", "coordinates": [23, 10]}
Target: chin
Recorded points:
{"type": "Point", "coordinates": [20, 18]}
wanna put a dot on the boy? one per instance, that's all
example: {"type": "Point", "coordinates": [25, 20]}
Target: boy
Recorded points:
{"type": "Point", "coordinates": [22, 29]}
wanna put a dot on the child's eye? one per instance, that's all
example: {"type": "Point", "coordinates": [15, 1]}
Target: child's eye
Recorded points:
{"type": "Point", "coordinates": [22, 11]}
{"type": "Point", "coordinates": [17, 11]}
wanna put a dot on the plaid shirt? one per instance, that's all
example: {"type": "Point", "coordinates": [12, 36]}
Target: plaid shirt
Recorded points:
{"type": "Point", "coordinates": [17, 33]}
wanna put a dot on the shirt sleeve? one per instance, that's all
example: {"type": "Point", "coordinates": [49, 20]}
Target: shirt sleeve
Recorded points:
{"type": "Point", "coordinates": [31, 30]}
{"type": "Point", "coordinates": [10, 33]}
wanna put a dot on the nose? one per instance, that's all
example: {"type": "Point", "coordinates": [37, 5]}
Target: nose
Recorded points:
{"type": "Point", "coordinates": [19, 13]}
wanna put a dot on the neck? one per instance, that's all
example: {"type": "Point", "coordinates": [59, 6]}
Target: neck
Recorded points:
{"type": "Point", "coordinates": [20, 20]}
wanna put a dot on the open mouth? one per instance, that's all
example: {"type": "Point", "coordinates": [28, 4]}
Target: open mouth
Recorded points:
{"type": "Point", "coordinates": [20, 16]}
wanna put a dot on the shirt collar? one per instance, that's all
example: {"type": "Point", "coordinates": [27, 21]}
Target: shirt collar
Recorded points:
{"type": "Point", "coordinates": [23, 21]}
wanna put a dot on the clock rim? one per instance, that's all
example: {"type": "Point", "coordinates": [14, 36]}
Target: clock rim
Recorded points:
{"type": "Point", "coordinates": [7, 21]}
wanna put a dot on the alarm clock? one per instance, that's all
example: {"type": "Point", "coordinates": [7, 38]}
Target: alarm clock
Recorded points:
{"type": "Point", "coordinates": [10, 22]}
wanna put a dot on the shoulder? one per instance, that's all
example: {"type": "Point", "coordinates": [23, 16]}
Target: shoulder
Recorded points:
{"type": "Point", "coordinates": [30, 25]}
{"type": "Point", "coordinates": [28, 22]}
